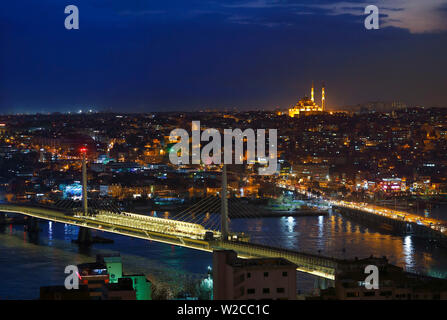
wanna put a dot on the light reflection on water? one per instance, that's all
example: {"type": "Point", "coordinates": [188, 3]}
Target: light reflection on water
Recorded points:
{"type": "Point", "coordinates": [25, 266]}
{"type": "Point", "coordinates": [50, 232]}
{"type": "Point", "coordinates": [408, 251]}
{"type": "Point", "coordinates": [335, 236]}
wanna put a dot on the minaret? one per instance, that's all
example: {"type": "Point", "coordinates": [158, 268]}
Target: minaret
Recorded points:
{"type": "Point", "coordinates": [323, 99]}
{"type": "Point", "coordinates": [312, 92]}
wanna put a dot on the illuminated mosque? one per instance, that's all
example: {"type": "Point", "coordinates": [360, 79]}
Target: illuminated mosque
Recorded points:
{"type": "Point", "coordinates": [308, 106]}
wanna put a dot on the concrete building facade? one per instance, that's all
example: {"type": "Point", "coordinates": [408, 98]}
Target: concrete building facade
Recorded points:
{"type": "Point", "coordinates": [252, 279]}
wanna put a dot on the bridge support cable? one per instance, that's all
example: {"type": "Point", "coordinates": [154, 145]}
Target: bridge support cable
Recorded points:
{"type": "Point", "coordinates": [272, 238]}
{"type": "Point", "coordinates": [216, 224]}
{"type": "Point", "coordinates": [194, 215]}
{"type": "Point", "coordinates": [185, 213]}
{"type": "Point", "coordinates": [212, 209]}
{"type": "Point", "coordinates": [199, 203]}
{"type": "Point", "coordinates": [64, 205]}
{"type": "Point", "coordinates": [113, 208]}
{"type": "Point", "coordinates": [169, 231]}
{"type": "Point", "coordinates": [244, 213]}
{"type": "Point", "coordinates": [191, 214]}
{"type": "Point", "coordinates": [199, 213]}
{"type": "Point", "coordinates": [213, 220]}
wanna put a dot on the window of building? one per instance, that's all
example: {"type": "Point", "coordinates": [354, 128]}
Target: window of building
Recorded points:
{"type": "Point", "coordinates": [251, 291]}
{"type": "Point", "coordinates": [386, 293]}
{"type": "Point", "coordinates": [280, 290]}
{"type": "Point", "coordinates": [369, 293]}
{"type": "Point", "coordinates": [248, 275]}
{"type": "Point", "coordinates": [266, 274]}
{"type": "Point", "coordinates": [352, 294]}
{"type": "Point", "coordinates": [284, 273]}
{"type": "Point", "coordinates": [266, 290]}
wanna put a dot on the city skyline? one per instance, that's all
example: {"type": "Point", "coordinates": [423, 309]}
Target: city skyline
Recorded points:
{"type": "Point", "coordinates": [223, 150]}
{"type": "Point", "coordinates": [149, 57]}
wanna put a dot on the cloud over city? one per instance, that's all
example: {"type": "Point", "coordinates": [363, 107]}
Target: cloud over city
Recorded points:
{"type": "Point", "coordinates": [416, 16]}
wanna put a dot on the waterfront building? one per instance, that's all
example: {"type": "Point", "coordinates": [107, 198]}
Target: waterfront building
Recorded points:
{"type": "Point", "coordinates": [114, 266]}
{"type": "Point", "coordinates": [95, 277]}
{"type": "Point", "coordinates": [394, 283]}
{"type": "Point", "coordinates": [252, 279]}
{"type": "Point", "coordinates": [393, 185]}
{"type": "Point", "coordinates": [102, 280]}
{"type": "Point", "coordinates": [121, 290]}
{"type": "Point", "coordinates": [311, 172]}
{"type": "Point", "coordinates": [61, 293]}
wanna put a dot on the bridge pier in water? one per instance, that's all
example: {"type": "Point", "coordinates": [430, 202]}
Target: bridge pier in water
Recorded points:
{"type": "Point", "coordinates": [32, 225]}
{"type": "Point", "coordinates": [2, 221]}
{"type": "Point", "coordinates": [390, 225]}
{"type": "Point", "coordinates": [32, 229]}
{"type": "Point", "coordinates": [84, 236]}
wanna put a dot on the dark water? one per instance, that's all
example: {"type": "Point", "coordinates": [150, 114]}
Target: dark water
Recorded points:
{"type": "Point", "coordinates": [26, 266]}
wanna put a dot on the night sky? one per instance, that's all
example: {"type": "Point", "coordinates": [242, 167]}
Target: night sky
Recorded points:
{"type": "Point", "coordinates": [135, 55]}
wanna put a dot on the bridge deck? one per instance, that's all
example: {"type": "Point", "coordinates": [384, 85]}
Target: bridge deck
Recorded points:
{"type": "Point", "coordinates": [133, 227]}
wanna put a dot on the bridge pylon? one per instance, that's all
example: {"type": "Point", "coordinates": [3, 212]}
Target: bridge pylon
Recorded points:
{"type": "Point", "coordinates": [84, 182]}
{"type": "Point", "coordinates": [85, 234]}
{"type": "Point", "coordinates": [224, 205]}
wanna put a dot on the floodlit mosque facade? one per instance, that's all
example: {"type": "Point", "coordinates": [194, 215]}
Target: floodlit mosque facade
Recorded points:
{"type": "Point", "coordinates": [308, 106]}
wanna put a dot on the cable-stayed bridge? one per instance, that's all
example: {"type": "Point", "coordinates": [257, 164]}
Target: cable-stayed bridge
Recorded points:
{"type": "Point", "coordinates": [204, 226]}
{"type": "Point", "coordinates": [177, 232]}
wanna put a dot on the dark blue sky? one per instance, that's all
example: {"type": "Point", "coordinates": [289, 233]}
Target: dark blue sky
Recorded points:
{"type": "Point", "coordinates": [137, 55]}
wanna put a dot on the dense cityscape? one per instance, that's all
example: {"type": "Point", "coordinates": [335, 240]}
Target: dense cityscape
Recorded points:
{"type": "Point", "coordinates": [357, 155]}
{"type": "Point", "coordinates": [242, 150]}
{"type": "Point", "coordinates": [392, 159]}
